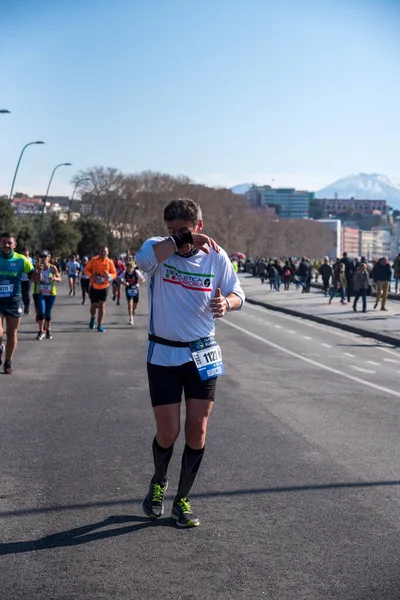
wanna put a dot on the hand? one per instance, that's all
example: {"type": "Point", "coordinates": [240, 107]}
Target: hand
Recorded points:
{"type": "Point", "coordinates": [218, 305]}
{"type": "Point", "coordinates": [201, 241]}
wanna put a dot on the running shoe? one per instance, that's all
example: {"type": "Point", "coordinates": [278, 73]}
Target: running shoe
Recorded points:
{"type": "Point", "coordinates": [153, 504]}
{"type": "Point", "coordinates": [2, 348]}
{"type": "Point", "coordinates": [92, 323]}
{"type": "Point", "coordinates": [118, 303]}
{"type": "Point", "coordinates": [131, 321]}
{"type": "Point", "coordinates": [183, 515]}
{"type": "Point", "coordinates": [70, 292]}
{"type": "Point", "coordinates": [48, 335]}
{"type": "Point", "coordinates": [114, 296]}
{"type": "Point", "coordinates": [7, 367]}
{"type": "Point", "coordinates": [73, 293]}
{"type": "Point", "coordinates": [40, 336]}
{"type": "Point", "coordinates": [83, 302]}
{"type": "Point", "coordinates": [101, 329]}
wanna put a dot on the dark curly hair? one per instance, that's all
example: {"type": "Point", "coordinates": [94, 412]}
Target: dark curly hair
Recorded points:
{"type": "Point", "coordinates": [183, 209]}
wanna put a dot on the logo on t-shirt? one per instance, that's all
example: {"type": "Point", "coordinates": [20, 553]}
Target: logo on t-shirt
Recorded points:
{"type": "Point", "coordinates": [191, 281]}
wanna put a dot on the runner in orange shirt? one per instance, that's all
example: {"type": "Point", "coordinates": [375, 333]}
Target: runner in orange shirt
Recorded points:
{"type": "Point", "coordinates": [101, 271]}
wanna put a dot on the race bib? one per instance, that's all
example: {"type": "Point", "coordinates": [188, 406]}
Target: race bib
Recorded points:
{"type": "Point", "coordinates": [45, 289]}
{"type": "Point", "coordinates": [99, 279]}
{"type": "Point", "coordinates": [207, 357]}
{"type": "Point", "coordinates": [133, 292]}
{"type": "Point", "coordinates": [6, 290]}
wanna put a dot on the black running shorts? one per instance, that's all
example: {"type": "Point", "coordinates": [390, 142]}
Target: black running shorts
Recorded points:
{"type": "Point", "coordinates": [11, 309]}
{"type": "Point", "coordinates": [166, 384]}
{"type": "Point", "coordinates": [97, 296]}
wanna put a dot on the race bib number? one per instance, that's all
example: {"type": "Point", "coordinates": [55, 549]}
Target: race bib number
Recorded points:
{"type": "Point", "coordinates": [6, 290]}
{"type": "Point", "coordinates": [99, 279]}
{"type": "Point", "coordinates": [207, 357]}
{"type": "Point", "coordinates": [45, 289]}
{"type": "Point", "coordinates": [133, 292]}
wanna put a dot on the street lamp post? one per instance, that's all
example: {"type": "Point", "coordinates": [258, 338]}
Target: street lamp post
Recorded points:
{"type": "Point", "coordinates": [17, 167]}
{"type": "Point", "coordinates": [73, 193]}
{"type": "Point", "coordinates": [45, 199]}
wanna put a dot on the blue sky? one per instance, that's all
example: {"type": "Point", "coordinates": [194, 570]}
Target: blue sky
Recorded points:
{"type": "Point", "coordinates": [224, 91]}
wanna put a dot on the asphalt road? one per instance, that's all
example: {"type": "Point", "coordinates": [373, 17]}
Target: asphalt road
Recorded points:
{"type": "Point", "coordinates": [298, 494]}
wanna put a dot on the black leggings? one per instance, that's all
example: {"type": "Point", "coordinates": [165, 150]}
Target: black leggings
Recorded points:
{"type": "Point", "coordinates": [85, 283]}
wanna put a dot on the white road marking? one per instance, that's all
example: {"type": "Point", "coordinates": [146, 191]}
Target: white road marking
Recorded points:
{"type": "Point", "coordinates": [391, 360]}
{"type": "Point", "coordinates": [371, 362]}
{"type": "Point", "coordinates": [329, 329]}
{"type": "Point", "coordinates": [278, 326]}
{"type": "Point", "coordinates": [348, 354]}
{"type": "Point", "coordinates": [374, 386]}
{"type": "Point", "coordinates": [361, 369]}
{"type": "Point", "coordinates": [291, 331]}
{"type": "Point", "coordinates": [326, 345]}
{"type": "Point", "coordinates": [306, 337]}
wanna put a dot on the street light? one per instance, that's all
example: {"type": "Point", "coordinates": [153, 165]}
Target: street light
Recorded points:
{"type": "Point", "coordinates": [73, 193]}
{"type": "Point", "coordinates": [17, 167]}
{"type": "Point", "coordinates": [45, 199]}
{"type": "Point", "coordinates": [4, 111]}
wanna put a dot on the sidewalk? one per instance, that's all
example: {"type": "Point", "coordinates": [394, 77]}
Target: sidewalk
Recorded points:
{"type": "Point", "coordinates": [382, 326]}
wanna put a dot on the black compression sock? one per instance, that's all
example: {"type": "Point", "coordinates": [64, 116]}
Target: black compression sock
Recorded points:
{"type": "Point", "coordinates": [191, 460]}
{"type": "Point", "coordinates": [162, 457]}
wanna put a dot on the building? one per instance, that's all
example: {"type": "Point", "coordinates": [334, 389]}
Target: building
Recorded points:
{"type": "Point", "coordinates": [336, 226]}
{"type": "Point", "coordinates": [351, 241]}
{"type": "Point", "coordinates": [289, 203]}
{"type": "Point", "coordinates": [24, 204]}
{"type": "Point", "coordinates": [378, 242]}
{"type": "Point", "coordinates": [341, 206]}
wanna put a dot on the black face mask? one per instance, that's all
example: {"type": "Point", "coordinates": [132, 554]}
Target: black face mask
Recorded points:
{"type": "Point", "coordinates": [193, 251]}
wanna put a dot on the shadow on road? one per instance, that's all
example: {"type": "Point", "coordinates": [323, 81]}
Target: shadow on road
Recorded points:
{"type": "Point", "coordinates": [218, 494]}
{"type": "Point", "coordinates": [84, 534]}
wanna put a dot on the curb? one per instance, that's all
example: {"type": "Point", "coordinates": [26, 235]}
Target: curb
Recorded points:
{"type": "Point", "coordinates": [381, 337]}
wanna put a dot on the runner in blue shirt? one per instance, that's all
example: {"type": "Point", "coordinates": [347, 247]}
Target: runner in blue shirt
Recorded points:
{"type": "Point", "coordinates": [12, 266]}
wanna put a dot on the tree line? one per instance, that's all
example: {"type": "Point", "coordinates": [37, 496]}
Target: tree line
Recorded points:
{"type": "Point", "coordinates": [123, 210]}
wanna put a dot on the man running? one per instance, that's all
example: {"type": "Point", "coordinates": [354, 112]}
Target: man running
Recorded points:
{"type": "Point", "coordinates": [132, 278]}
{"type": "Point", "coordinates": [73, 268]}
{"type": "Point", "coordinates": [85, 280]}
{"type": "Point", "coordinates": [192, 282]}
{"type": "Point", "coordinates": [101, 271]}
{"type": "Point", "coordinates": [26, 285]}
{"type": "Point", "coordinates": [12, 266]}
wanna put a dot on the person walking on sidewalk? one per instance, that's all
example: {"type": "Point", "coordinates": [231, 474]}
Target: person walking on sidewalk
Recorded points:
{"type": "Point", "coordinates": [338, 284]}
{"type": "Point", "coordinates": [361, 285]}
{"type": "Point", "coordinates": [326, 272]}
{"type": "Point", "coordinates": [382, 275]}
{"type": "Point", "coordinates": [396, 268]}
{"type": "Point", "coordinates": [101, 271]}
{"type": "Point", "coordinates": [191, 283]}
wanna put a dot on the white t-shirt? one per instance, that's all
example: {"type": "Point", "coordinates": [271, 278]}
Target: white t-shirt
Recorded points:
{"type": "Point", "coordinates": [73, 268]}
{"type": "Point", "coordinates": [179, 294]}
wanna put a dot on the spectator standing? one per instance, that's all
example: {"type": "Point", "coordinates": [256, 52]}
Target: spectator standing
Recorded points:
{"type": "Point", "coordinates": [360, 286]}
{"type": "Point", "coordinates": [349, 269]}
{"type": "Point", "coordinates": [287, 274]}
{"type": "Point", "coordinates": [326, 272]}
{"type": "Point", "coordinates": [26, 285]}
{"type": "Point", "coordinates": [262, 270]}
{"type": "Point", "coordinates": [396, 268]}
{"type": "Point", "coordinates": [382, 275]}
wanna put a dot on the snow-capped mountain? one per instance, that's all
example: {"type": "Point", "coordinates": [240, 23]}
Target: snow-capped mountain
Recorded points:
{"type": "Point", "coordinates": [242, 188]}
{"type": "Point", "coordinates": [364, 186]}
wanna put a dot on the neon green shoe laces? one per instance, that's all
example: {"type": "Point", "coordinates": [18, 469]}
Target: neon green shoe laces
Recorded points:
{"type": "Point", "coordinates": [158, 493]}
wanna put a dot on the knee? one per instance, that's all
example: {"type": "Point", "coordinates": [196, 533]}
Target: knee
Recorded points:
{"type": "Point", "coordinates": [195, 432]}
{"type": "Point", "coordinates": [167, 437]}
